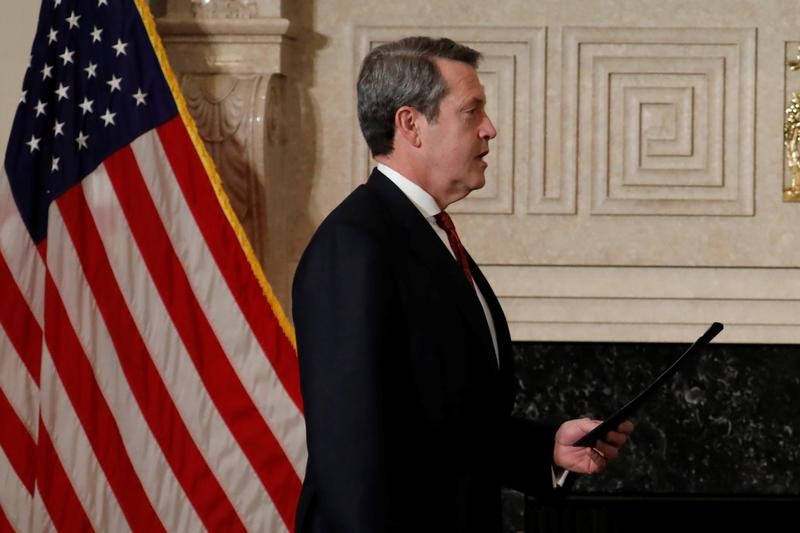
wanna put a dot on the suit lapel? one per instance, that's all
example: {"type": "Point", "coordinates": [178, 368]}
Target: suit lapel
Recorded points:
{"type": "Point", "coordinates": [419, 236]}
{"type": "Point", "coordinates": [498, 317]}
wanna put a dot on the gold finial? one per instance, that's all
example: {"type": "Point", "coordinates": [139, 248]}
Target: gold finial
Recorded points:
{"type": "Point", "coordinates": [794, 64]}
{"type": "Point", "coordinates": [791, 138]}
{"type": "Point", "coordinates": [791, 141]}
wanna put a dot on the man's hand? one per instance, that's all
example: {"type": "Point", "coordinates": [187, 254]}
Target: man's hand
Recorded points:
{"type": "Point", "coordinates": [585, 460]}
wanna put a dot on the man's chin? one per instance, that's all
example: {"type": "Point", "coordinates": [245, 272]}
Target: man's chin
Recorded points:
{"type": "Point", "coordinates": [466, 187]}
{"type": "Point", "coordinates": [479, 182]}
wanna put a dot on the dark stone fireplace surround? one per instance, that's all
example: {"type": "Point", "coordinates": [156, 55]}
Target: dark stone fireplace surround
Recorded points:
{"type": "Point", "coordinates": [717, 448]}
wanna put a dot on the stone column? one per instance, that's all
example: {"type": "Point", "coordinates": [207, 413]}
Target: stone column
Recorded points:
{"type": "Point", "coordinates": [228, 56]}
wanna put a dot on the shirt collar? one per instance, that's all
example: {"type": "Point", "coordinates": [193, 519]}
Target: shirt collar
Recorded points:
{"type": "Point", "coordinates": [423, 201]}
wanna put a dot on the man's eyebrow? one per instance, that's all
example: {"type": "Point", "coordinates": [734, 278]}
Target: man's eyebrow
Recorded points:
{"type": "Point", "coordinates": [473, 100]}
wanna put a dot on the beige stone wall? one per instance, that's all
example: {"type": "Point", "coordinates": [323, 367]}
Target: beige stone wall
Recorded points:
{"type": "Point", "coordinates": [635, 187]}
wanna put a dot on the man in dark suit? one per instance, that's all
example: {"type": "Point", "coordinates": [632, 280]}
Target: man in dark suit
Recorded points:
{"type": "Point", "coordinates": [405, 354]}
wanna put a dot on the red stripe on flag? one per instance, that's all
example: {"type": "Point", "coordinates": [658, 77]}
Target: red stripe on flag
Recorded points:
{"type": "Point", "coordinates": [155, 402]}
{"type": "Point", "coordinates": [90, 405]}
{"type": "Point", "coordinates": [5, 525]}
{"type": "Point", "coordinates": [52, 483]}
{"type": "Point", "coordinates": [228, 394]}
{"type": "Point", "coordinates": [17, 443]}
{"type": "Point", "coordinates": [19, 323]}
{"type": "Point", "coordinates": [229, 255]}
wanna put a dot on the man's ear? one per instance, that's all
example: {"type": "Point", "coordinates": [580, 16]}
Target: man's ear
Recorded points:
{"type": "Point", "coordinates": [407, 122]}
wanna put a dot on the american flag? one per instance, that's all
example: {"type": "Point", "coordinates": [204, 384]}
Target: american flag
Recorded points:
{"type": "Point", "coordinates": [148, 378]}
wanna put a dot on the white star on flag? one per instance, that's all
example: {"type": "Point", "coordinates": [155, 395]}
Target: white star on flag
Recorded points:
{"type": "Point", "coordinates": [108, 117]}
{"type": "Point", "coordinates": [139, 96]}
{"type": "Point", "coordinates": [47, 72]}
{"type": "Point", "coordinates": [86, 105]}
{"type": "Point", "coordinates": [62, 91]}
{"type": "Point", "coordinates": [58, 129]}
{"type": "Point", "coordinates": [114, 83]}
{"type": "Point", "coordinates": [40, 108]}
{"type": "Point", "coordinates": [72, 20]}
{"type": "Point", "coordinates": [96, 32]}
{"type": "Point", "coordinates": [52, 36]}
{"type": "Point", "coordinates": [102, 3]}
{"type": "Point", "coordinates": [120, 47]}
{"type": "Point", "coordinates": [81, 140]}
{"type": "Point", "coordinates": [91, 70]}
{"type": "Point", "coordinates": [34, 143]}
{"type": "Point", "coordinates": [23, 96]}
{"type": "Point", "coordinates": [54, 164]}
{"type": "Point", "coordinates": [66, 57]}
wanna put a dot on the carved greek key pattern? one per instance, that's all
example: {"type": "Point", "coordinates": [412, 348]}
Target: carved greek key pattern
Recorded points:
{"type": "Point", "coordinates": [665, 119]}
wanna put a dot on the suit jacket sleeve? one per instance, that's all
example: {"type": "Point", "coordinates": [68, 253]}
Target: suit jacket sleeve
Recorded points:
{"type": "Point", "coordinates": [526, 464]}
{"type": "Point", "coordinates": [340, 313]}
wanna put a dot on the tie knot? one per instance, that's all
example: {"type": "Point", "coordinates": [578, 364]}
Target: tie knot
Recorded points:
{"type": "Point", "coordinates": [444, 221]}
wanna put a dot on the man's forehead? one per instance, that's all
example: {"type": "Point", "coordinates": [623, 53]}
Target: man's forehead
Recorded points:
{"type": "Point", "coordinates": [461, 79]}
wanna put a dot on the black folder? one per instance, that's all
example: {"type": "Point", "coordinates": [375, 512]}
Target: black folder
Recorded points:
{"type": "Point", "coordinates": [611, 423]}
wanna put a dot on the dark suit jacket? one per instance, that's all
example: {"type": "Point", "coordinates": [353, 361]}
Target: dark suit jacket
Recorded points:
{"type": "Point", "coordinates": [407, 412]}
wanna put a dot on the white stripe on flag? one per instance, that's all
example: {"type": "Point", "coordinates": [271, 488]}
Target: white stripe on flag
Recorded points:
{"type": "Point", "coordinates": [16, 245]}
{"type": "Point", "coordinates": [209, 431]}
{"type": "Point", "coordinates": [226, 318]}
{"type": "Point", "coordinates": [161, 486]}
{"type": "Point", "coordinates": [41, 522]}
{"type": "Point", "coordinates": [18, 385]}
{"type": "Point", "coordinates": [75, 451]}
{"type": "Point", "coordinates": [15, 500]}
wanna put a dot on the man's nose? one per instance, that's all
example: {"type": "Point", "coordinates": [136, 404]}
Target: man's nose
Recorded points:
{"type": "Point", "coordinates": [487, 130]}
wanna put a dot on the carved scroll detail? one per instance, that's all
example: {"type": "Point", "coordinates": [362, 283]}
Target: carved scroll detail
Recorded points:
{"type": "Point", "coordinates": [238, 117]}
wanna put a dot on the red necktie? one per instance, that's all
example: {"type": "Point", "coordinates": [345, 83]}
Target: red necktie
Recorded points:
{"type": "Point", "coordinates": [446, 223]}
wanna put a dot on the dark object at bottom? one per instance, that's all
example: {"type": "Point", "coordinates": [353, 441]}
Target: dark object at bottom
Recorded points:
{"type": "Point", "coordinates": [628, 514]}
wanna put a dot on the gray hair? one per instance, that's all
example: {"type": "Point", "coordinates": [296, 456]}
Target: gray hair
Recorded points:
{"type": "Point", "coordinates": [402, 73]}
